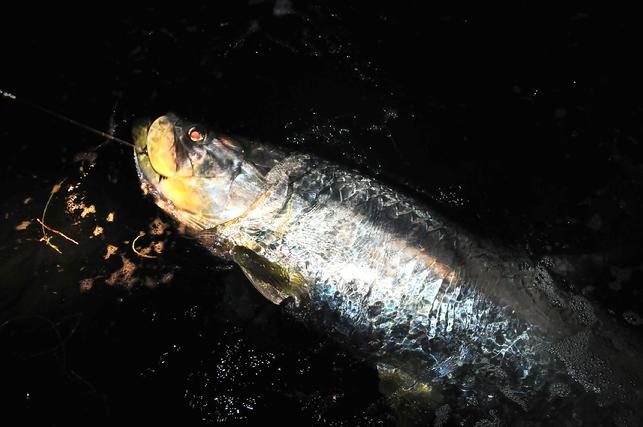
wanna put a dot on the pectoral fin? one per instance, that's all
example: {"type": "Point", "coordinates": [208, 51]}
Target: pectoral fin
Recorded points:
{"type": "Point", "coordinates": [411, 400]}
{"type": "Point", "coordinates": [394, 381]}
{"type": "Point", "coordinates": [271, 280]}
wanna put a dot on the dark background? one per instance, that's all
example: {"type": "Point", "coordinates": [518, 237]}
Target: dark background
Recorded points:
{"type": "Point", "coordinates": [524, 125]}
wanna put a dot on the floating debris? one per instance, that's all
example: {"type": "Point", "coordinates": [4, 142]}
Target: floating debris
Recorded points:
{"type": "Point", "coordinates": [71, 202]}
{"type": "Point", "coordinates": [56, 187]}
{"type": "Point", "coordinates": [148, 282]}
{"type": "Point", "coordinates": [86, 284]}
{"type": "Point", "coordinates": [46, 237]}
{"type": "Point", "coordinates": [74, 205]}
{"type": "Point", "coordinates": [97, 231]}
{"type": "Point", "coordinates": [86, 156]}
{"type": "Point", "coordinates": [167, 277]}
{"type": "Point", "coordinates": [158, 247]}
{"type": "Point", "coordinates": [87, 210]}
{"type": "Point", "coordinates": [27, 200]}
{"type": "Point", "coordinates": [110, 217]}
{"type": "Point", "coordinates": [60, 233]}
{"type": "Point", "coordinates": [111, 250]}
{"type": "Point", "coordinates": [125, 275]}
{"type": "Point", "coordinates": [143, 253]}
{"type": "Point", "coordinates": [23, 225]}
{"type": "Point", "coordinates": [158, 227]}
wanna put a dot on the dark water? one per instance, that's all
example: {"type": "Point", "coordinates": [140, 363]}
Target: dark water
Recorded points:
{"type": "Point", "coordinates": [525, 126]}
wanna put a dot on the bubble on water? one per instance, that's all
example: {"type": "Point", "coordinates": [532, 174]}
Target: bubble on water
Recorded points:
{"type": "Point", "coordinates": [583, 310]}
{"type": "Point", "coordinates": [620, 275]}
{"type": "Point", "coordinates": [584, 366]}
{"type": "Point", "coordinates": [625, 420]}
{"type": "Point", "coordinates": [633, 318]}
{"type": "Point", "coordinates": [282, 8]}
{"type": "Point", "coordinates": [545, 283]}
{"type": "Point", "coordinates": [494, 421]}
{"type": "Point", "coordinates": [223, 388]}
{"type": "Point", "coordinates": [595, 222]}
{"type": "Point", "coordinates": [389, 113]}
{"type": "Point", "coordinates": [559, 390]}
{"type": "Point", "coordinates": [514, 397]}
{"type": "Point", "coordinates": [442, 415]}
{"type": "Point", "coordinates": [451, 196]}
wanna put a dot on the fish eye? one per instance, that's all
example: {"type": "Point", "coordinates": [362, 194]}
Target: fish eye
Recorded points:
{"type": "Point", "coordinates": [196, 134]}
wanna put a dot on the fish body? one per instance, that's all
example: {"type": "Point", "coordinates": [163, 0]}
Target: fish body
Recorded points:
{"type": "Point", "coordinates": [403, 286]}
{"type": "Point", "coordinates": [383, 272]}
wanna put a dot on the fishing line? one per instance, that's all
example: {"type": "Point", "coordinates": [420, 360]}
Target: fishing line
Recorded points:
{"type": "Point", "coordinates": [46, 237]}
{"type": "Point", "coordinates": [12, 97]}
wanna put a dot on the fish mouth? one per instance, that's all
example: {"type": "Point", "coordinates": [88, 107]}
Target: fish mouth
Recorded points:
{"type": "Point", "coordinates": [144, 167]}
{"type": "Point", "coordinates": [158, 143]}
{"type": "Point", "coordinates": [155, 148]}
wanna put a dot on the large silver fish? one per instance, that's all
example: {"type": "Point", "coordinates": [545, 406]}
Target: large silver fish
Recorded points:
{"type": "Point", "coordinates": [401, 285]}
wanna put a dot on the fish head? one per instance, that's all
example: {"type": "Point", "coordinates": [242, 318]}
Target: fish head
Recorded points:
{"type": "Point", "coordinates": [196, 175]}
{"type": "Point", "coordinates": [204, 180]}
